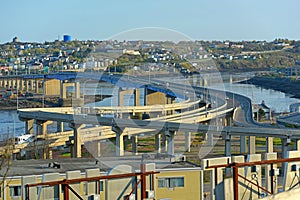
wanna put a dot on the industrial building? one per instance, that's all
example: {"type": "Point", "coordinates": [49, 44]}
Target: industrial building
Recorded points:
{"type": "Point", "coordinates": [94, 180]}
{"type": "Point", "coordinates": [252, 176]}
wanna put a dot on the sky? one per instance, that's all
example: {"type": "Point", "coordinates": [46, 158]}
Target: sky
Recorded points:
{"type": "Point", "coordinates": [48, 20]}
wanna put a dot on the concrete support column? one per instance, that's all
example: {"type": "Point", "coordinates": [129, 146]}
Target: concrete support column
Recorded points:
{"type": "Point", "coordinates": [284, 149]}
{"type": "Point", "coordinates": [119, 141]}
{"type": "Point", "coordinates": [60, 127]}
{"type": "Point", "coordinates": [18, 85]}
{"type": "Point", "coordinates": [13, 83]}
{"type": "Point", "coordinates": [31, 84]}
{"type": "Point", "coordinates": [137, 97]}
{"type": "Point", "coordinates": [243, 144]}
{"type": "Point", "coordinates": [41, 127]}
{"type": "Point", "coordinates": [228, 120]}
{"type": "Point", "coordinates": [9, 82]}
{"type": "Point", "coordinates": [157, 143]}
{"type": "Point", "coordinates": [251, 145]}
{"type": "Point", "coordinates": [188, 141]}
{"type": "Point", "coordinates": [77, 90]}
{"type": "Point", "coordinates": [77, 141]}
{"type": "Point", "coordinates": [98, 149]}
{"type": "Point", "coordinates": [36, 86]}
{"type": "Point", "coordinates": [224, 121]}
{"type": "Point", "coordinates": [50, 153]}
{"type": "Point", "coordinates": [29, 126]}
{"type": "Point", "coordinates": [47, 153]}
{"type": "Point", "coordinates": [134, 140]}
{"type": "Point", "coordinates": [269, 144]}
{"type": "Point", "coordinates": [227, 144]}
{"type": "Point", "coordinates": [205, 136]}
{"type": "Point", "coordinates": [3, 83]}
{"type": "Point", "coordinates": [22, 84]}
{"type": "Point", "coordinates": [170, 137]}
{"type": "Point", "coordinates": [164, 145]}
{"type": "Point", "coordinates": [170, 100]}
{"type": "Point", "coordinates": [119, 144]}
{"type": "Point", "coordinates": [27, 85]}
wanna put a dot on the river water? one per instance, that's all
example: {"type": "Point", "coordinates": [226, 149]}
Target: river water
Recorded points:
{"type": "Point", "coordinates": [277, 101]}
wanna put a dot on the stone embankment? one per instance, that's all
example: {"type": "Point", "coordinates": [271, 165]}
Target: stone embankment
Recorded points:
{"type": "Point", "coordinates": [285, 85]}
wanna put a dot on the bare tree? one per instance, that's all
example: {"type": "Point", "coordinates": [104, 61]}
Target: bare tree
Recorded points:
{"type": "Point", "coordinates": [6, 152]}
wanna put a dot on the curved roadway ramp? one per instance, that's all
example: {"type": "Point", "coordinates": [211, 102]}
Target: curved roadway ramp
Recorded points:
{"type": "Point", "coordinates": [104, 131]}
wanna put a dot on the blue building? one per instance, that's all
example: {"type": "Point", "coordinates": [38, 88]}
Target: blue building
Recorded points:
{"type": "Point", "coordinates": [67, 38]}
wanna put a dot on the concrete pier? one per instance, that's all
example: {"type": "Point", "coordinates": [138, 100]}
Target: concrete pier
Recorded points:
{"type": "Point", "coordinates": [243, 144]}
{"type": "Point", "coordinates": [76, 153]}
{"type": "Point", "coordinates": [119, 141]}
{"type": "Point", "coordinates": [158, 143]}
{"type": "Point", "coordinates": [60, 127]}
{"type": "Point", "coordinates": [29, 129]}
{"type": "Point", "coordinates": [36, 86]}
{"type": "Point", "coordinates": [269, 144]}
{"type": "Point", "coordinates": [170, 139]}
{"type": "Point", "coordinates": [134, 141]}
{"type": "Point", "coordinates": [251, 145]}
{"type": "Point", "coordinates": [227, 144]}
{"type": "Point", "coordinates": [41, 127]}
{"type": "Point", "coordinates": [188, 142]}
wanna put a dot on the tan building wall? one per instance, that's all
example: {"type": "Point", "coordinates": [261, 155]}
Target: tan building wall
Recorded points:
{"type": "Point", "coordinates": [156, 98]}
{"type": "Point", "coordinates": [52, 87]}
{"type": "Point", "coordinates": [189, 191]}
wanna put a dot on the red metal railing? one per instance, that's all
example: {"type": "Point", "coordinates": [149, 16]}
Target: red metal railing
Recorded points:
{"type": "Point", "coordinates": [66, 183]}
{"type": "Point", "coordinates": [235, 175]}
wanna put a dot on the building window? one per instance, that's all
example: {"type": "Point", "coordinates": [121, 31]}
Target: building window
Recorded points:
{"type": "Point", "coordinates": [101, 186]}
{"type": "Point", "coordinates": [171, 182]}
{"type": "Point", "coordinates": [15, 191]}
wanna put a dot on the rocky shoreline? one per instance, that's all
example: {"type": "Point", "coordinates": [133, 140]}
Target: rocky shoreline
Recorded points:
{"type": "Point", "coordinates": [285, 85]}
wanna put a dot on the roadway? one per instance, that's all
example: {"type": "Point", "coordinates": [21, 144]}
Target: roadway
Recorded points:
{"type": "Point", "coordinates": [185, 122]}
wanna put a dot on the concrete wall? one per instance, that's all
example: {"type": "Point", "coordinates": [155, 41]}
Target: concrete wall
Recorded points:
{"type": "Point", "coordinates": [291, 177]}
{"type": "Point", "coordinates": [52, 87]}
{"type": "Point", "coordinates": [155, 98]}
{"type": "Point", "coordinates": [119, 188]}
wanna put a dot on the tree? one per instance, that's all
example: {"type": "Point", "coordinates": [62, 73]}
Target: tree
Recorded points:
{"type": "Point", "coordinates": [6, 151]}
{"type": "Point", "coordinates": [261, 114]}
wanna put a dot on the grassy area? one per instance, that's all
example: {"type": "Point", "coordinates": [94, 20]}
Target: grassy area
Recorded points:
{"type": "Point", "coordinates": [66, 154]}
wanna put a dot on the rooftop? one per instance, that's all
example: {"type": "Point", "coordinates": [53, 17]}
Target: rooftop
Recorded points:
{"type": "Point", "coordinates": [38, 167]}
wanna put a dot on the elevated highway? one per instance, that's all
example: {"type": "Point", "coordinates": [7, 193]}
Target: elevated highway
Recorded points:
{"type": "Point", "coordinates": [185, 121]}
